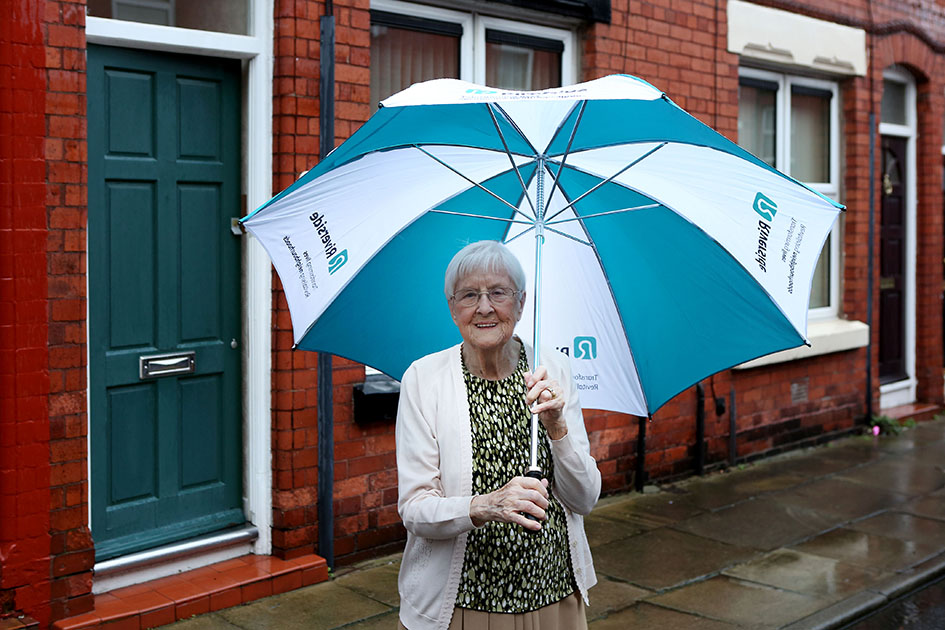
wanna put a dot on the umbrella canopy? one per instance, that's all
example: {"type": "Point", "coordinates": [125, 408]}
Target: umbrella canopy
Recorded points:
{"type": "Point", "coordinates": [666, 252]}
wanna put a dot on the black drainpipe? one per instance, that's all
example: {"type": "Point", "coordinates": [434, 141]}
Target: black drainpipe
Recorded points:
{"type": "Point", "coordinates": [326, 420]}
{"type": "Point", "coordinates": [869, 270]}
{"type": "Point", "coordinates": [700, 429]}
{"type": "Point", "coordinates": [732, 429]}
{"type": "Point", "coordinates": [640, 477]}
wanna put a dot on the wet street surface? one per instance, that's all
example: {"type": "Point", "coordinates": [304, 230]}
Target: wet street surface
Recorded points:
{"type": "Point", "coordinates": [808, 540]}
{"type": "Point", "coordinates": [923, 610]}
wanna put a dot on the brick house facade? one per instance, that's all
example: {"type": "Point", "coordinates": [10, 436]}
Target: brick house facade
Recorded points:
{"type": "Point", "coordinates": [47, 541]}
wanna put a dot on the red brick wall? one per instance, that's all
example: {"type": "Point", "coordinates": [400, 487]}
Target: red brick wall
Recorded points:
{"type": "Point", "coordinates": [365, 485]}
{"type": "Point", "coordinates": [24, 382]}
{"type": "Point", "coordinates": [67, 216]}
{"type": "Point", "coordinates": [294, 394]}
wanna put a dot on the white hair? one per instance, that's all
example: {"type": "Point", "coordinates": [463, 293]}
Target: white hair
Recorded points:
{"type": "Point", "coordinates": [484, 257]}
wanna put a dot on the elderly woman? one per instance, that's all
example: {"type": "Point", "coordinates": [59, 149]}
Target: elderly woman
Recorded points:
{"type": "Point", "coordinates": [473, 558]}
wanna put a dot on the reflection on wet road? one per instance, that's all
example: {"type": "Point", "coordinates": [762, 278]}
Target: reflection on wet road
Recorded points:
{"type": "Point", "coordinates": [923, 610]}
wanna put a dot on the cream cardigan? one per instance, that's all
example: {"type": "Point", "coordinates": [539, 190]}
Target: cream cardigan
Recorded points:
{"type": "Point", "coordinates": [434, 467]}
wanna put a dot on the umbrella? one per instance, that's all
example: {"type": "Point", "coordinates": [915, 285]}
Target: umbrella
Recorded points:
{"type": "Point", "coordinates": [658, 252]}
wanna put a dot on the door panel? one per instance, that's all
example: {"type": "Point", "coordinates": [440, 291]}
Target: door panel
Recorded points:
{"type": "Point", "coordinates": [164, 163]}
{"type": "Point", "coordinates": [892, 262]}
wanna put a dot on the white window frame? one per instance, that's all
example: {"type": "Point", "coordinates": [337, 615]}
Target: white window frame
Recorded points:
{"type": "Point", "coordinates": [904, 392]}
{"type": "Point", "coordinates": [472, 47]}
{"type": "Point", "coordinates": [829, 188]}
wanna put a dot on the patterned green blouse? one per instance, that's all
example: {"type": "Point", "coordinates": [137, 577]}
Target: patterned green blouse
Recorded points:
{"type": "Point", "coordinates": [506, 568]}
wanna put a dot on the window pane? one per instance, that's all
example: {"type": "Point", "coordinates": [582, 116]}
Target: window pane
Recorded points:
{"type": "Point", "coordinates": [810, 136]}
{"type": "Point", "coordinates": [401, 57]}
{"type": "Point", "coordinates": [521, 68]}
{"type": "Point", "coordinates": [221, 16]}
{"type": "Point", "coordinates": [757, 122]}
{"type": "Point", "coordinates": [893, 108]}
{"type": "Point", "coordinates": [820, 287]}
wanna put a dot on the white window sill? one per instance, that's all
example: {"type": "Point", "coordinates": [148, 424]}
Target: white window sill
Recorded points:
{"type": "Point", "coordinates": [825, 336]}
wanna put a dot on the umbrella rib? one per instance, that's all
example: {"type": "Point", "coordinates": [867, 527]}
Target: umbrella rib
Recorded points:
{"type": "Point", "coordinates": [567, 151]}
{"type": "Point", "coordinates": [522, 233]}
{"type": "Point", "coordinates": [474, 183]}
{"type": "Point", "coordinates": [508, 152]}
{"type": "Point", "coordinates": [609, 179]}
{"type": "Point", "coordinates": [601, 214]}
{"type": "Point", "coordinates": [481, 216]}
{"type": "Point", "coordinates": [566, 235]}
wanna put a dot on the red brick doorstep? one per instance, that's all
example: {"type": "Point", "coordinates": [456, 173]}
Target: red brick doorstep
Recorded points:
{"type": "Point", "coordinates": [211, 588]}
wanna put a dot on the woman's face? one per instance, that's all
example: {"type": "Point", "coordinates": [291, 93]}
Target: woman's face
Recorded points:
{"type": "Point", "coordinates": [486, 326]}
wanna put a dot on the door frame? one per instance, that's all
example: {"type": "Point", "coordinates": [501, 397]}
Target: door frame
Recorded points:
{"type": "Point", "coordinates": [904, 391]}
{"type": "Point", "coordinates": [256, 88]}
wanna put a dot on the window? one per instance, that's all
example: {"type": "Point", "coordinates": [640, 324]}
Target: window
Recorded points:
{"type": "Point", "coordinates": [792, 124]}
{"type": "Point", "coordinates": [412, 42]}
{"type": "Point", "coordinates": [223, 16]}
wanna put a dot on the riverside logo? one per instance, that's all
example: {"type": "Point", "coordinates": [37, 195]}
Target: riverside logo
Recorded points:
{"type": "Point", "coordinates": [336, 259]}
{"type": "Point", "coordinates": [766, 209]}
{"type": "Point", "coordinates": [584, 348]}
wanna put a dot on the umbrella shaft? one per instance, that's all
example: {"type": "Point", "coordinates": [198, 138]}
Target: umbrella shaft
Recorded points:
{"type": "Point", "coordinates": [536, 348]}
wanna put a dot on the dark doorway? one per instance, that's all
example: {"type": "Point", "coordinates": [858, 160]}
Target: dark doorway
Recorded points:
{"type": "Point", "coordinates": [892, 294]}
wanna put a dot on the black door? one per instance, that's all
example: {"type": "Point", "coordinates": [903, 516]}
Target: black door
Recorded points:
{"type": "Point", "coordinates": [892, 262]}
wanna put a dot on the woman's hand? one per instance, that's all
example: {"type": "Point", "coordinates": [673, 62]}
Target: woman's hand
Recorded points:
{"type": "Point", "coordinates": [521, 494]}
{"type": "Point", "coordinates": [549, 396]}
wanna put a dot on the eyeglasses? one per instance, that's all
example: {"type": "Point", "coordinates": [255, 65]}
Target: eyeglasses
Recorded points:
{"type": "Point", "coordinates": [497, 295]}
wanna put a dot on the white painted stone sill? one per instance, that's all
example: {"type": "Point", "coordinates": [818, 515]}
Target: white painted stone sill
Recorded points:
{"type": "Point", "coordinates": [826, 336]}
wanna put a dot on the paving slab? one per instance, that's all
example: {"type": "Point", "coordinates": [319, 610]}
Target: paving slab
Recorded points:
{"type": "Point", "coordinates": [800, 572]}
{"type": "Point", "coordinates": [907, 527]}
{"type": "Point", "coordinates": [387, 621]}
{"type": "Point", "coordinates": [742, 603]}
{"type": "Point", "coordinates": [378, 583]}
{"type": "Point", "coordinates": [903, 475]}
{"type": "Point", "coordinates": [931, 506]}
{"type": "Point", "coordinates": [728, 488]}
{"type": "Point", "coordinates": [836, 615]}
{"type": "Point", "coordinates": [845, 500]}
{"type": "Point", "coordinates": [212, 621]}
{"type": "Point", "coordinates": [601, 530]}
{"type": "Point", "coordinates": [609, 596]}
{"type": "Point", "coordinates": [664, 558]}
{"type": "Point", "coordinates": [318, 607]}
{"type": "Point", "coordinates": [868, 550]}
{"type": "Point", "coordinates": [926, 432]}
{"type": "Point", "coordinates": [651, 511]}
{"type": "Point", "coordinates": [762, 524]}
{"type": "Point", "coordinates": [929, 453]}
{"type": "Point", "coordinates": [643, 616]}
{"type": "Point", "coordinates": [825, 460]}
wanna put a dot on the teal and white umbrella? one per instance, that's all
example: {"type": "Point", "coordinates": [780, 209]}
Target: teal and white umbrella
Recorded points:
{"type": "Point", "coordinates": [659, 251]}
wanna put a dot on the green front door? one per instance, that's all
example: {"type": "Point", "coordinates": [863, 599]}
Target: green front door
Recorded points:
{"type": "Point", "coordinates": [164, 303]}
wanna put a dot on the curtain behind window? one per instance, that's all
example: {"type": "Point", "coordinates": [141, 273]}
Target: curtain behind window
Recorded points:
{"type": "Point", "coordinates": [401, 57]}
{"type": "Point", "coordinates": [757, 120]}
{"type": "Point", "coordinates": [520, 68]}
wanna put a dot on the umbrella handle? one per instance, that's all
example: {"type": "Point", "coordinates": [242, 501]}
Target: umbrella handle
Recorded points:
{"type": "Point", "coordinates": [534, 473]}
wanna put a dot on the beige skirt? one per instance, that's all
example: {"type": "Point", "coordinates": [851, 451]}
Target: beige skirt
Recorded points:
{"type": "Point", "coordinates": [567, 614]}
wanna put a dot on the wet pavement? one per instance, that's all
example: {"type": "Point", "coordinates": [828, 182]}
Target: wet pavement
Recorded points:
{"type": "Point", "coordinates": [816, 538]}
